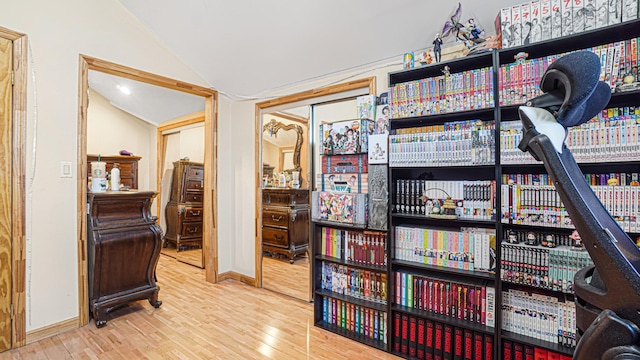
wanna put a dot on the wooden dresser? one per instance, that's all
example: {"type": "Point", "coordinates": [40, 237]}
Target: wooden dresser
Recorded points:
{"type": "Point", "coordinates": [285, 221]}
{"type": "Point", "coordinates": [128, 167]}
{"type": "Point", "coordinates": [123, 246]}
{"type": "Point", "coordinates": [184, 212]}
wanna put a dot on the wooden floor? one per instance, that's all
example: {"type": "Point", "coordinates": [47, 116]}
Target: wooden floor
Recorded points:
{"type": "Point", "coordinates": [290, 279]}
{"type": "Point", "coordinates": [198, 320]}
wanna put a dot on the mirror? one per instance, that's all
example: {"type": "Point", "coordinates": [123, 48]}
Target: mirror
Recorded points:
{"type": "Point", "coordinates": [125, 114]}
{"type": "Point", "coordinates": [287, 147]}
{"type": "Point", "coordinates": [285, 229]}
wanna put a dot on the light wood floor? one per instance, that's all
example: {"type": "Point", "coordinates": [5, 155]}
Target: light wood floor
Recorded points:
{"type": "Point", "coordinates": [198, 320]}
{"type": "Point", "coordinates": [290, 279]}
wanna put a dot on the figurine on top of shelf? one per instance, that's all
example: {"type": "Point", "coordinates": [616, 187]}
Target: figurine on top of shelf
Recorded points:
{"type": "Point", "coordinates": [446, 70]}
{"type": "Point", "coordinates": [521, 57]}
{"type": "Point", "coordinates": [437, 47]}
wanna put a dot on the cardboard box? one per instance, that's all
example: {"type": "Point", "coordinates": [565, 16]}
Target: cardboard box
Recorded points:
{"type": "Point", "coordinates": [347, 182]}
{"type": "Point", "coordinates": [346, 137]}
{"type": "Point", "coordinates": [347, 208]}
{"type": "Point", "coordinates": [343, 164]}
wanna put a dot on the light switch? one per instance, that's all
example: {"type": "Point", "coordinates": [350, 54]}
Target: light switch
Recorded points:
{"type": "Point", "coordinates": [65, 169]}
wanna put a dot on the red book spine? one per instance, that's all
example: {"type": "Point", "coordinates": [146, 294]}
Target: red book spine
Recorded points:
{"type": "Point", "coordinates": [448, 342]}
{"type": "Point", "coordinates": [488, 347]}
{"type": "Point", "coordinates": [396, 332]}
{"type": "Point", "coordinates": [438, 343]}
{"type": "Point", "coordinates": [468, 345]}
{"type": "Point", "coordinates": [453, 300]}
{"type": "Point", "coordinates": [458, 344]}
{"type": "Point", "coordinates": [518, 351]}
{"type": "Point", "coordinates": [528, 353]}
{"type": "Point", "coordinates": [507, 349]}
{"type": "Point", "coordinates": [553, 356]}
{"type": "Point", "coordinates": [540, 354]}
{"type": "Point", "coordinates": [404, 344]}
{"type": "Point", "coordinates": [398, 288]}
{"type": "Point", "coordinates": [421, 338]}
{"type": "Point", "coordinates": [477, 346]}
{"type": "Point", "coordinates": [428, 341]}
{"type": "Point", "coordinates": [412, 336]}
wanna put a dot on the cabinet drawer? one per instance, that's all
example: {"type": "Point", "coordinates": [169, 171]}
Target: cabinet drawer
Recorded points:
{"type": "Point", "coordinates": [191, 230]}
{"type": "Point", "coordinates": [275, 237]}
{"type": "Point", "coordinates": [275, 218]}
{"type": "Point", "coordinates": [193, 196]}
{"type": "Point", "coordinates": [196, 172]}
{"type": "Point", "coordinates": [192, 214]}
{"type": "Point", "coordinates": [194, 185]}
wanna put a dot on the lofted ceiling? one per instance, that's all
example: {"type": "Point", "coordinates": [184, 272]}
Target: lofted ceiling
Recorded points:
{"type": "Point", "coordinates": [249, 48]}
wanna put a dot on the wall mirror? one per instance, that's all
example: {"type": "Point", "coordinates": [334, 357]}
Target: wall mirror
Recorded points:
{"type": "Point", "coordinates": [285, 229]}
{"type": "Point", "coordinates": [281, 149]}
{"type": "Point", "coordinates": [128, 116]}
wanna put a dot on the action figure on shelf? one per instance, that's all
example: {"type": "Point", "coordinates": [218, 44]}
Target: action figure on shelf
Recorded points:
{"type": "Point", "coordinates": [437, 47]}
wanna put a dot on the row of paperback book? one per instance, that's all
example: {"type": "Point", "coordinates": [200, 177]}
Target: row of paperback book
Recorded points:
{"type": "Point", "coordinates": [611, 136]}
{"type": "Point", "coordinates": [539, 316]}
{"type": "Point", "coordinates": [520, 81]}
{"type": "Point", "coordinates": [545, 268]}
{"type": "Point", "coordinates": [361, 247]}
{"type": "Point", "coordinates": [465, 142]}
{"type": "Point", "coordinates": [470, 249]}
{"type": "Point", "coordinates": [541, 205]}
{"type": "Point", "coordinates": [426, 339]}
{"type": "Point", "coordinates": [540, 20]}
{"type": "Point", "coordinates": [473, 199]}
{"type": "Point", "coordinates": [467, 90]}
{"type": "Point", "coordinates": [512, 350]}
{"type": "Point", "coordinates": [356, 319]}
{"type": "Point", "coordinates": [473, 303]}
{"type": "Point", "coordinates": [533, 205]}
{"type": "Point", "coordinates": [362, 284]}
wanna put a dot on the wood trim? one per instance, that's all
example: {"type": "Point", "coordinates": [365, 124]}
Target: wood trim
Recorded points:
{"type": "Point", "coordinates": [291, 117]}
{"type": "Point", "coordinates": [145, 77]}
{"type": "Point", "coordinates": [210, 235]}
{"type": "Point", "coordinates": [196, 117]}
{"type": "Point", "coordinates": [369, 82]}
{"type": "Point", "coordinates": [232, 275]}
{"type": "Point", "coordinates": [18, 267]}
{"type": "Point", "coordinates": [52, 330]}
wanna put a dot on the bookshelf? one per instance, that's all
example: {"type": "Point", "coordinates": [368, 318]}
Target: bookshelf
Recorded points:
{"type": "Point", "coordinates": [439, 274]}
{"type": "Point", "coordinates": [430, 143]}
{"type": "Point", "coordinates": [350, 246]}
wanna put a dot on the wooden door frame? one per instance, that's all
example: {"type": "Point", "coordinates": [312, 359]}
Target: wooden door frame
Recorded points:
{"type": "Point", "coordinates": [18, 214]}
{"type": "Point", "coordinates": [210, 233]}
{"type": "Point", "coordinates": [369, 82]}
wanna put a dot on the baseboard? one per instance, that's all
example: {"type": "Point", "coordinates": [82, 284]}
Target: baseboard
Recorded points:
{"type": "Point", "coordinates": [238, 277]}
{"type": "Point", "coordinates": [52, 330]}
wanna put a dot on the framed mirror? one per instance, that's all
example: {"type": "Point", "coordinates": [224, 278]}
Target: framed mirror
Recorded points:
{"type": "Point", "coordinates": [281, 153]}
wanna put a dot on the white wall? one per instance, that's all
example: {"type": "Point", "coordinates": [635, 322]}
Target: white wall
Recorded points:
{"type": "Point", "coordinates": [59, 31]}
{"type": "Point", "coordinates": [110, 130]}
{"type": "Point", "coordinates": [244, 118]}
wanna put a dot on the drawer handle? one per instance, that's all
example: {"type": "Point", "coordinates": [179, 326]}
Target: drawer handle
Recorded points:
{"type": "Point", "coordinates": [279, 238]}
{"type": "Point", "coordinates": [192, 230]}
{"type": "Point", "coordinates": [276, 219]}
{"type": "Point", "coordinates": [194, 213]}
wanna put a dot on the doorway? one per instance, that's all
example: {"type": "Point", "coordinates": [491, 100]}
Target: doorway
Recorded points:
{"type": "Point", "coordinates": [296, 101]}
{"type": "Point", "coordinates": [209, 182]}
{"type": "Point", "coordinates": [13, 70]}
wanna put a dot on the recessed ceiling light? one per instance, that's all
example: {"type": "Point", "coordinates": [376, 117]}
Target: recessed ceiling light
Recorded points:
{"type": "Point", "coordinates": [124, 89]}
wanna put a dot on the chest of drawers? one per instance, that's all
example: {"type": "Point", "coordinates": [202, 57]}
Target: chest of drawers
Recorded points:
{"type": "Point", "coordinates": [184, 212]}
{"type": "Point", "coordinates": [285, 222]}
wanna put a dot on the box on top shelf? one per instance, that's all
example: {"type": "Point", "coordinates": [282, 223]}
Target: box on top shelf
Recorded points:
{"type": "Point", "coordinates": [343, 164]}
{"type": "Point", "coordinates": [346, 137]}
{"type": "Point", "coordinates": [347, 208]}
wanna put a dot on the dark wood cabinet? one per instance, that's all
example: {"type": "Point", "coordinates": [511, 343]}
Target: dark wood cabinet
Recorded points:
{"type": "Point", "coordinates": [123, 246]}
{"type": "Point", "coordinates": [285, 221]}
{"type": "Point", "coordinates": [184, 211]}
{"type": "Point", "coordinates": [128, 167]}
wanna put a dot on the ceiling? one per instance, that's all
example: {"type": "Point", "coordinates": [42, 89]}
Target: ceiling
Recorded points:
{"type": "Point", "coordinates": [248, 48]}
